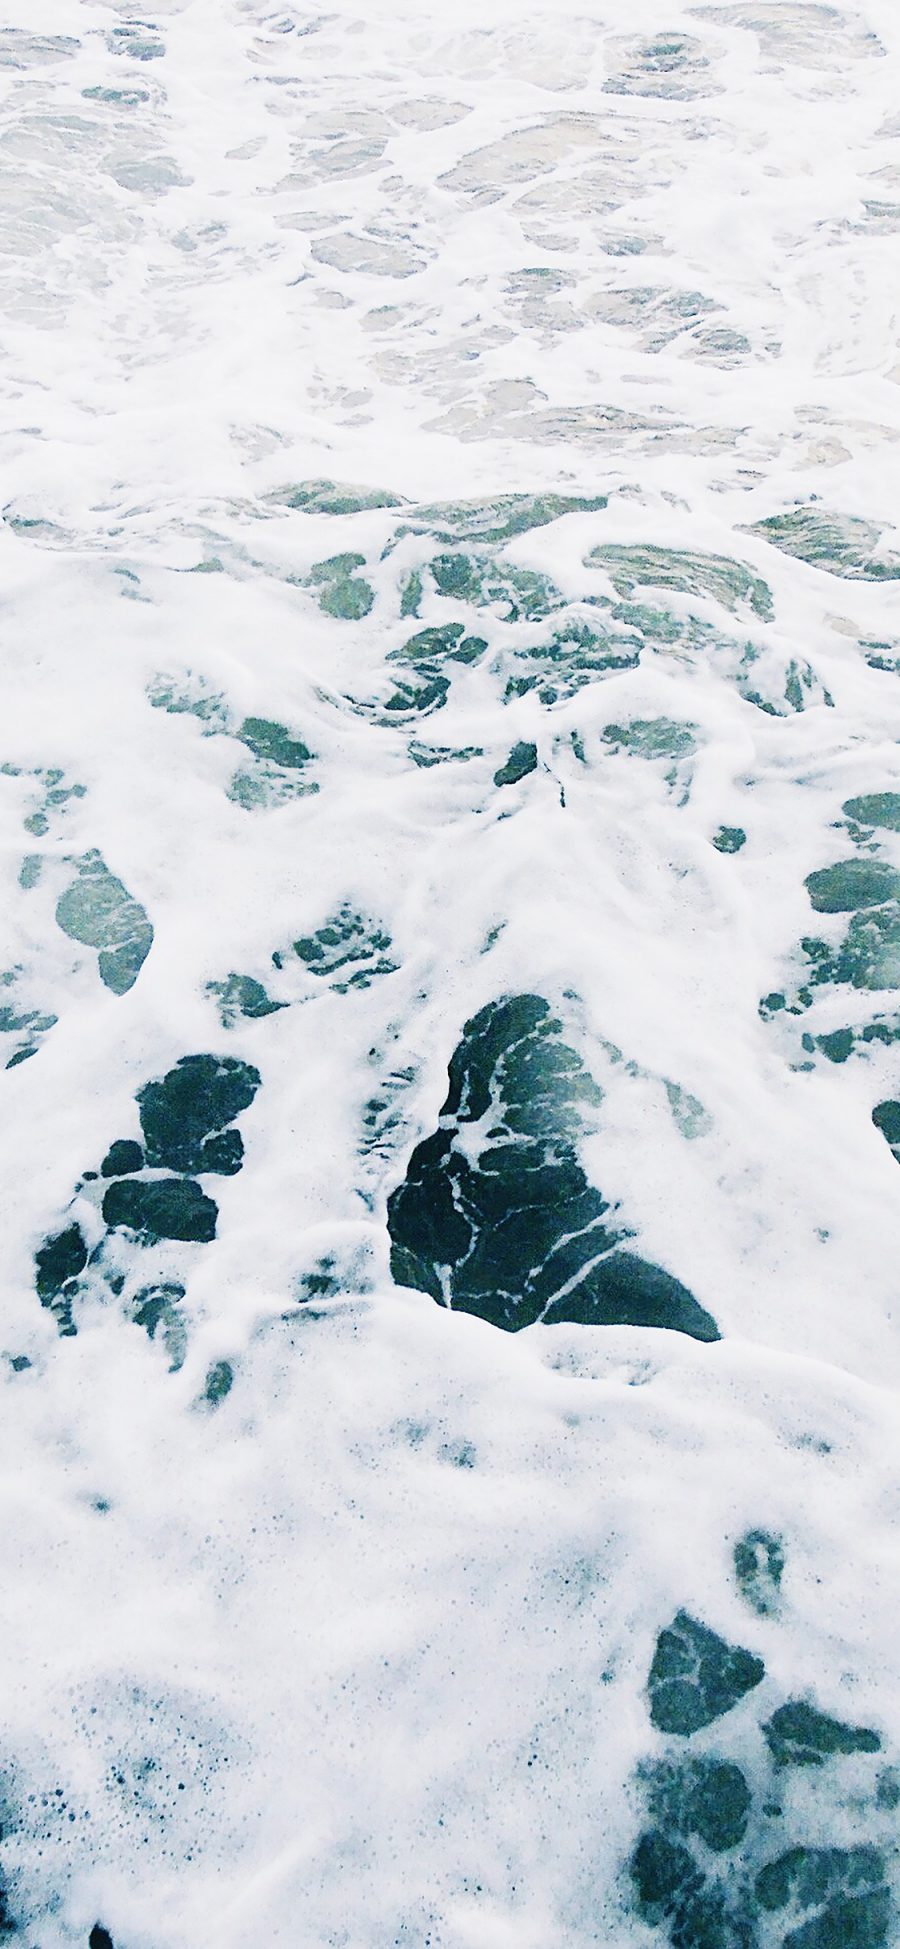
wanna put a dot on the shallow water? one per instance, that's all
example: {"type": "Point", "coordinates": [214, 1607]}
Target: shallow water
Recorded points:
{"type": "Point", "coordinates": [450, 975]}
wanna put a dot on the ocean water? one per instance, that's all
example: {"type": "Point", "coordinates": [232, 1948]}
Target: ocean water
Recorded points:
{"type": "Point", "coordinates": [450, 975]}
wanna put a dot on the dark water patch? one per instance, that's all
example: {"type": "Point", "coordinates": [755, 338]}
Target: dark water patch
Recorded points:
{"type": "Point", "coordinates": [669, 65]}
{"type": "Point", "coordinates": [842, 544]}
{"type": "Point", "coordinates": [158, 1310]}
{"type": "Point", "coordinates": [410, 699]}
{"type": "Point", "coordinates": [517, 594]}
{"type": "Point", "coordinates": [267, 739]}
{"type": "Point", "coordinates": [58, 1264]}
{"type": "Point", "coordinates": [429, 658]}
{"type": "Point", "coordinates": [704, 1799]}
{"type": "Point", "coordinates": [513, 1231]}
{"type": "Point", "coordinates": [349, 951]}
{"type": "Point", "coordinates": [578, 653]}
{"type": "Point", "coordinates": [624, 1290]}
{"type": "Point", "coordinates": [97, 911]}
{"type": "Point", "coordinates": [27, 1026]}
{"type": "Point", "coordinates": [242, 996]}
{"type": "Point", "coordinates": [877, 809]}
{"type": "Point", "coordinates": [656, 737]}
{"type": "Point", "coordinates": [20, 49]}
{"type": "Point", "coordinates": [697, 1677]}
{"type": "Point", "coordinates": [341, 591]}
{"type": "Point", "coordinates": [886, 1118]}
{"type": "Point", "coordinates": [186, 1114]}
{"type": "Point", "coordinates": [137, 40]}
{"type": "Point", "coordinates": [522, 760]}
{"type": "Point", "coordinates": [868, 957]}
{"type": "Point", "coordinates": [432, 647]}
{"type": "Point", "coordinates": [123, 1157]}
{"type": "Point", "coordinates": [334, 497]}
{"type": "Point", "coordinates": [711, 1869]}
{"type": "Point", "coordinates": [117, 97]}
{"type": "Point", "coordinates": [280, 770]}
{"type": "Point", "coordinates": [218, 1383]}
{"type": "Point", "coordinates": [844, 1885]}
{"type": "Point", "coordinates": [852, 884]}
{"type": "Point", "coordinates": [799, 1735]}
{"type": "Point", "coordinates": [685, 571]}
{"type": "Point", "coordinates": [189, 696]}
{"type": "Point", "coordinates": [158, 1208]}
{"type": "Point", "coordinates": [187, 1119]}
{"type": "Point", "coordinates": [426, 755]}
{"type": "Point", "coordinates": [500, 518]}
{"type": "Point", "coordinates": [411, 593]}
{"type": "Point", "coordinates": [759, 1568]}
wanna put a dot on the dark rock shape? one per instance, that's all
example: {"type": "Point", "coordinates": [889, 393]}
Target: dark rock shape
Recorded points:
{"type": "Point", "coordinates": [122, 1158]}
{"type": "Point", "coordinates": [100, 1938]}
{"type": "Point", "coordinates": [522, 760]}
{"type": "Point", "coordinates": [706, 1799]}
{"type": "Point", "coordinates": [851, 884]}
{"type": "Point", "coordinates": [58, 1263]}
{"type": "Point", "coordinates": [886, 1118]}
{"type": "Point", "coordinates": [730, 839]}
{"type": "Point", "coordinates": [515, 1232]}
{"type": "Point", "coordinates": [880, 809]}
{"type": "Point", "coordinates": [158, 1208]}
{"type": "Point", "coordinates": [798, 1735]}
{"type": "Point", "coordinates": [697, 1677]}
{"type": "Point", "coordinates": [845, 1885]}
{"type": "Point", "coordinates": [759, 1568]}
{"type": "Point", "coordinates": [184, 1115]}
